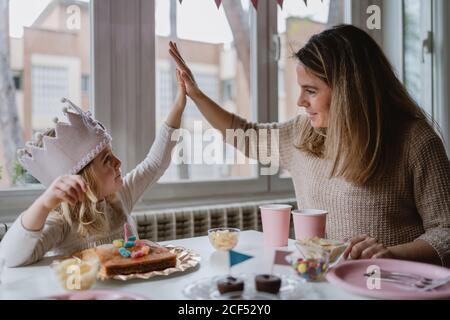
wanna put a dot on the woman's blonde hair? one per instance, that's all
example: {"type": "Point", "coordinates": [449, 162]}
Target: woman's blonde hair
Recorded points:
{"type": "Point", "coordinates": [370, 108]}
{"type": "Point", "coordinates": [86, 214]}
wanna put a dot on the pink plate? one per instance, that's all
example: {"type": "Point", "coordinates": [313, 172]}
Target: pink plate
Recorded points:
{"type": "Point", "coordinates": [99, 295]}
{"type": "Point", "coordinates": [349, 275]}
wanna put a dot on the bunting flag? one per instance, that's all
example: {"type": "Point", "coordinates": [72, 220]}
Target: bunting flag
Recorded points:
{"type": "Point", "coordinates": [236, 257]}
{"type": "Point", "coordinates": [255, 3]}
{"type": "Point", "coordinates": [280, 258]}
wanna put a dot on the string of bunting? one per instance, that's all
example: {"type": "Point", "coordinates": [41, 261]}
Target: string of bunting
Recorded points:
{"type": "Point", "coordinates": [255, 3]}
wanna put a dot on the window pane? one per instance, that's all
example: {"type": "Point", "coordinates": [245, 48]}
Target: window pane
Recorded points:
{"type": "Point", "coordinates": [412, 48]}
{"type": "Point", "coordinates": [296, 24]}
{"type": "Point", "coordinates": [49, 50]}
{"type": "Point", "coordinates": [221, 67]}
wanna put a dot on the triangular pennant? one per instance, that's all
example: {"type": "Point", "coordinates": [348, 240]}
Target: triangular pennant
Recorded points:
{"type": "Point", "coordinates": [306, 2]}
{"type": "Point", "coordinates": [218, 2]}
{"type": "Point", "coordinates": [280, 258]}
{"type": "Point", "coordinates": [180, 1]}
{"type": "Point", "coordinates": [236, 257]}
{"type": "Point", "coordinates": [255, 4]}
{"type": "Point", "coordinates": [280, 3]}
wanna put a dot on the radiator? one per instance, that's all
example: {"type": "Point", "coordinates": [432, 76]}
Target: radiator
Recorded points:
{"type": "Point", "coordinates": [161, 225]}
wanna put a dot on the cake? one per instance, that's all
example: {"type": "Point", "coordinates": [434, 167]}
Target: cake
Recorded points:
{"type": "Point", "coordinates": [268, 283]}
{"type": "Point", "coordinates": [112, 263]}
{"type": "Point", "coordinates": [230, 284]}
{"type": "Point", "coordinates": [137, 259]}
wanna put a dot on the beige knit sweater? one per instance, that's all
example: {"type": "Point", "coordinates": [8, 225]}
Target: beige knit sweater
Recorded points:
{"type": "Point", "coordinates": [413, 203]}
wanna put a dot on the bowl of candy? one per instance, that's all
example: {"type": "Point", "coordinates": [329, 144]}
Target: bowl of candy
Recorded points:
{"type": "Point", "coordinates": [224, 239]}
{"type": "Point", "coordinates": [310, 269]}
{"type": "Point", "coordinates": [315, 257]}
{"type": "Point", "coordinates": [76, 274]}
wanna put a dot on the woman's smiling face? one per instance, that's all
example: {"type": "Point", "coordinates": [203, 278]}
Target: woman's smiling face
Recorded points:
{"type": "Point", "coordinates": [315, 97]}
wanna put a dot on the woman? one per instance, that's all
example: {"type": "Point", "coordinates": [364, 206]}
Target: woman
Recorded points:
{"type": "Point", "coordinates": [365, 152]}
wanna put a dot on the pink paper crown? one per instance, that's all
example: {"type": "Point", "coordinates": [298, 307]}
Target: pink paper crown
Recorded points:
{"type": "Point", "coordinates": [75, 145]}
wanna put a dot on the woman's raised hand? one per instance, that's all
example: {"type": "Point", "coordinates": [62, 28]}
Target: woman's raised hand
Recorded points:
{"type": "Point", "coordinates": [183, 71]}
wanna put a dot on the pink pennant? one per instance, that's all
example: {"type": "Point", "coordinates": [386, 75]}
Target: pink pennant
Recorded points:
{"type": "Point", "coordinates": [280, 258]}
{"type": "Point", "coordinates": [218, 2]}
{"type": "Point", "coordinates": [280, 3]}
{"type": "Point", "coordinates": [255, 4]}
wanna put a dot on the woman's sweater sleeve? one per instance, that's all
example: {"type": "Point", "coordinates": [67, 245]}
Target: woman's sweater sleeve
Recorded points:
{"type": "Point", "coordinates": [21, 246]}
{"type": "Point", "coordinates": [150, 169]}
{"type": "Point", "coordinates": [430, 168]}
{"type": "Point", "coordinates": [269, 143]}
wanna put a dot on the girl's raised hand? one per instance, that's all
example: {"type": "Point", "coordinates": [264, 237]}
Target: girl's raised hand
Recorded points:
{"type": "Point", "coordinates": [180, 101]}
{"type": "Point", "coordinates": [67, 188]}
{"type": "Point", "coordinates": [191, 87]}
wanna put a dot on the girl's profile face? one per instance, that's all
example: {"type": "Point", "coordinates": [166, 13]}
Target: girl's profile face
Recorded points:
{"type": "Point", "coordinates": [107, 172]}
{"type": "Point", "coordinates": [315, 97]}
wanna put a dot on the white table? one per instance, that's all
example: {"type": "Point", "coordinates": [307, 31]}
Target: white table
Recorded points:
{"type": "Point", "coordinates": [37, 281]}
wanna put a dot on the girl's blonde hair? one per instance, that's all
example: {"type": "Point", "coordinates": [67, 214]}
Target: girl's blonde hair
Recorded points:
{"type": "Point", "coordinates": [370, 108]}
{"type": "Point", "coordinates": [86, 214]}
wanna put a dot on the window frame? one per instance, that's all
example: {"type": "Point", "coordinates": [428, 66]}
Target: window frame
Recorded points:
{"type": "Point", "coordinates": [230, 188]}
{"type": "Point", "coordinates": [440, 69]}
{"type": "Point", "coordinates": [133, 130]}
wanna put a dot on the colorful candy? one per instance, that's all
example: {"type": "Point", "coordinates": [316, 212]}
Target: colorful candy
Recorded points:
{"type": "Point", "coordinates": [137, 254]}
{"type": "Point", "coordinates": [311, 269]}
{"type": "Point", "coordinates": [140, 243]}
{"type": "Point", "coordinates": [126, 233]}
{"type": "Point", "coordinates": [129, 244]}
{"type": "Point", "coordinates": [118, 243]}
{"type": "Point", "coordinates": [124, 252]}
{"type": "Point", "coordinates": [145, 250]}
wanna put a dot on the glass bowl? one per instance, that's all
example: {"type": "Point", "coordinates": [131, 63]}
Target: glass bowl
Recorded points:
{"type": "Point", "coordinates": [76, 274]}
{"type": "Point", "coordinates": [224, 239]}
{"type": "Point", "coordinates": [311, 269]}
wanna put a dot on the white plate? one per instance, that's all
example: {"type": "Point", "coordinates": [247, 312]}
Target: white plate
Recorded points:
{"type": "Point", "coordinates": [292, 288]}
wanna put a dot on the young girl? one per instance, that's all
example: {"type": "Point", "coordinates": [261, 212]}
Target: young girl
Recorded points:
{"type": "Point", "coordinates": [87, 201]}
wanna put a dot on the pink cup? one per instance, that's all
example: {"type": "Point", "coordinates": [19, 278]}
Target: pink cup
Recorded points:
{"type": "Point", "coordinates": [276, 219]}
{"type": "Point", "coordinates": [309, 223]}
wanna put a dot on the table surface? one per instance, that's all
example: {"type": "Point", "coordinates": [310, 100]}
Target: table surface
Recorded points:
{"type": "Point", "coordinates": [38, 281]}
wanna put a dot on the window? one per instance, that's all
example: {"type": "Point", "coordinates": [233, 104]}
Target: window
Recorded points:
{"type": "Point", "coordinates": [218, 60]}
{"type": "Point", "coordinates": [49, 46]}
{"type": "Point", "coordinates": [17, 77]}
{"type": "Point", "coordinates": [49, 84]}
{"type": "Point", "coordinates": [296, 24]}
{"type": "Point", "coordinates": [228, 89]}
{"type": "Point", "coordinates": [85, 83]}
{"type": "Point", "coordinates": [417, 61]}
